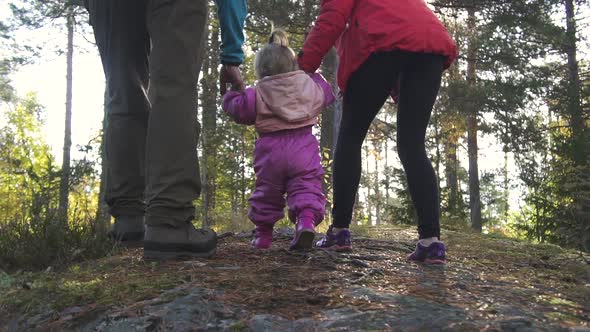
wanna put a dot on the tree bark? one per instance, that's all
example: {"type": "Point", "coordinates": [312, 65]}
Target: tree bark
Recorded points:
{"type": "Point", "coordinates": [506, 189]}
{"type": "Point", "coordinates": [329, 67]}
{"type": "Point", "coordinates": [209, 108]}
{"type": "Point", "coordinates": [64, 186]}
{"type": "Point", "coordinates": [358, 212]}
{"type": "Point", "coordinates": [437, 143]}
{"type": "Point", "coordinates": [580, 140]}
{"type": "Point", "coordinates": [451, 168]}
{"type": "Point", "coordinates": [474, 196]}
{"type": "Point", "coordinates": [367, 183]}
{"type": "Point", "coordinates": [577, 122]}
{"type": "Point", "coordinates": [386, 168]}
{"type": "Point", "coordinates": [102, 219]}
{"type": "Point", "coordinates": [452, 129]}
{"type": "Point", "coordinates": [376, 188]}
{"type": "Point", "coordinates": [243, 200]}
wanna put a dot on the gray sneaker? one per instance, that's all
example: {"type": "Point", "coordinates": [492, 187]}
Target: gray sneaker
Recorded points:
{"type": "Point", "coordinates": [127, 230]}
{"type": "Point", "coordinates": [166, 242]}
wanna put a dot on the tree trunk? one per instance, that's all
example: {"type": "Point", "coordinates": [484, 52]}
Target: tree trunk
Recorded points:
{"type": "Point", "coordinates": [506, 188]}
{"type": "Point", "coordinates": [64, 186]}
{"type": "Point", "coordinates": [204, 184]}
{"type": "Point", "coordinates": [368, 182]}
{"type": "Point", "coordinates": [337, 112]}
{"type": "Point", "coordinates": [387, 177]}
{"type": "Point", "coordinates": [358, 211]}
{"type": "Point", "coordinates": [436, 123]}
{"type": "Point", "coordinates": [451, 132]}
{"type": "Point", "coordinates": [437, 143]}
{"type": "Point", "coordinates": [580, 140]}
{"type": "Point", "coordinates": [329, 67]}
{"type": "Point", "coordinates": [243, 200]}
{"type": "Point", "coordinates": [377, 192]}
{"type": "Point", "coordinates": [103, 219]}
{"type": "Point", "coordinates": [336, 127]}
{"type": "Point", "coordinates": [209, 107]}
{"type": "Point", "coordinates": [451, 169]}
{"type": "Point", "coordinates": [574, 100]}
{"type": "Point", "coordinates": [474, 197]}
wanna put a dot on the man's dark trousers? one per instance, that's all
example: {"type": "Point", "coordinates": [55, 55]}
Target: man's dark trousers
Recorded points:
{"type": "Point", "coordinates": [151, 54]}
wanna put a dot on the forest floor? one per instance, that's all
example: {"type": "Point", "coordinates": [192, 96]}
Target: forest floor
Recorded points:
{"type": "Point", "coordinates": [489, 284]}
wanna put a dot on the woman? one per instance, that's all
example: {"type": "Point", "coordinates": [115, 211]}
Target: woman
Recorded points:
{"type": "Point", "coordinates": [386, 47]}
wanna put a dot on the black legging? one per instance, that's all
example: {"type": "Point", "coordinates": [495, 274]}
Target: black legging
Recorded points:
{"type": "Point", "coordinates": [368, 88]}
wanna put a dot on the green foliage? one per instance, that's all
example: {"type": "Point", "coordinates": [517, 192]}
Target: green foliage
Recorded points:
{"type": "Point", "coordinates": [39, 13]}
{"type": "Point", "coordinates": [494, 202]}
{"type": "Point", "coordinates": [29, 183]}
{"type": "Point", "coordinates": [402, 210]}
{"type": "Point", "coordinates": [27, 170]}
{"type": "Point", "coordinates": [6, 90]}
{"type": "Point", "coordinates": [31, 15]}
{"type": "Point", "coordinates": [38, 243]}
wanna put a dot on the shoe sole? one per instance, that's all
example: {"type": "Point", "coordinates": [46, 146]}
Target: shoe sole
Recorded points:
{"type": "Point", "coordinates": [260, 247]}
{"type": "Point", "coordinates": [428, 261]}
{"type": "Point", "coordinates": [303, 241]}
{"type": "Point", "coordinates": [153, 255]}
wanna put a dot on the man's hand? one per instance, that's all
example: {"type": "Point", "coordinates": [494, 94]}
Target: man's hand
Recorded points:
{"type": "Point", "coordinates": [230, 75]}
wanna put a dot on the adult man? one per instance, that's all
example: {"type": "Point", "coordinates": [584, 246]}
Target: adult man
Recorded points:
{"type": "Point", "coordinates": [151, 53]}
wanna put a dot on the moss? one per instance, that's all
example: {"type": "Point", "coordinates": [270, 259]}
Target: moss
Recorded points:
{"type": "Point", "coordinates": [86, 284]}
{"type": "Point", "coordinates": [557, 301]}
{"type": "Point", "coordinates": [239, 326]}
{"type": "Point", "coordinates": [563, 317]}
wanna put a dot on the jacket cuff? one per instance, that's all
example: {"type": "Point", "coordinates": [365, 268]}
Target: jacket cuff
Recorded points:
{"type": "Point", "coordinates": [329, 97]}
{"type": "Point", "coordinates": [305, 64]}
{"type": "Point", "coordinates": [230, 63]}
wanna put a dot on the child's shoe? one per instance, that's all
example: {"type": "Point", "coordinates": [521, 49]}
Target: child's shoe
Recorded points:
{"type": "Point", "coordinates": [336, 242]}
{"type": "Point", "coordinates": [262, 237]}
{"type": "Point", "coordinates": [432, 254]}
{"type": "Point", "coordinates": [304, 234]}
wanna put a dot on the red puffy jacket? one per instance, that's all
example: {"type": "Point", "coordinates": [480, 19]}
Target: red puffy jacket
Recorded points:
{"type": "Point", "coordinates": [361, 27]}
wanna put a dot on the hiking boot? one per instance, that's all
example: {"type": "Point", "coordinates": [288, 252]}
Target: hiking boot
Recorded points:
{"type": "Point", "coordinates": [127, 230]}
{"type": "Point", "coordinates": [336, 242]}
{"type": "Point", "coordinates": [166, 242]}
{"type": "Point", "coordinates": [262, 237]}
{"type": "Point", "coordinates": [304, 234]}
{"type": "Point", "coordinates": [432, 254]}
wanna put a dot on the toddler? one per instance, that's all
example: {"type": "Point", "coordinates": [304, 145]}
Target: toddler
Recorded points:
{"type": "Point", "coordinates": [283, 106]}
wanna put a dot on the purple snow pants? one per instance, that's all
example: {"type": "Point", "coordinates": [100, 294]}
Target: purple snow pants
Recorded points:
{"type": "Point", "coordinates": [289, 162]}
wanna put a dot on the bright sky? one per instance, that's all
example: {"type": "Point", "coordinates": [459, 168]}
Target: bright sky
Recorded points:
{"type": "Point", "coordinates": [47, 77]}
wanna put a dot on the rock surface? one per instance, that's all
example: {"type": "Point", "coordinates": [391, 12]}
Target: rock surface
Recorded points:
{"type": "Point", "coordinates": [372, 288]}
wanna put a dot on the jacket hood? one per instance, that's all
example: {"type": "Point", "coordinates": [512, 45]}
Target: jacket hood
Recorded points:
{"type": "Point", "coordinates": [292, 97]}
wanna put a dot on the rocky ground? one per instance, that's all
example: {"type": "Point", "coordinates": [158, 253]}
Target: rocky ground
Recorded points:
{"type": "Point", "coordinates": [489, 284]}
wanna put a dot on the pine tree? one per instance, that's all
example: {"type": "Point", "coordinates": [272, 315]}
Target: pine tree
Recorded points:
{"type": "Point", "coordinates": [35, 14]}
{"type": "Point", "coordinates": [209, 102]}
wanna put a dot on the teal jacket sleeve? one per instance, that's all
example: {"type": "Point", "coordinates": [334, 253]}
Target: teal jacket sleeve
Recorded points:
{"type": "Point", "coordinates": [232, 15]}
